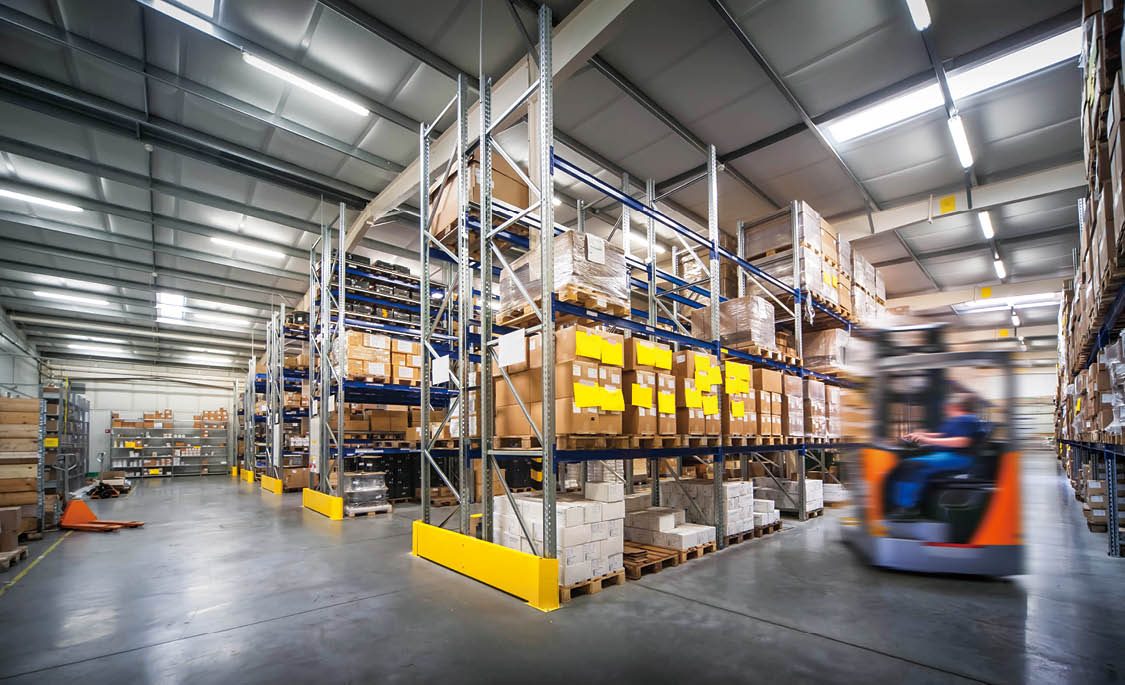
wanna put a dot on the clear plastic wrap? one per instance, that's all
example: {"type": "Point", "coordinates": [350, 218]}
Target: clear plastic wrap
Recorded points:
{"type": "Point", "coordinates": [845, 249]}
{"type": "Point", "coordinates": [777, 235]}
{"type": "Point", "coordinates": [583, 263]}
{"type": "Point", "coordinates": [781, 268]}
{"type": "Point", "coordinates": [745, 320]}
{"type": "Point", "coordinates": [826, 351]}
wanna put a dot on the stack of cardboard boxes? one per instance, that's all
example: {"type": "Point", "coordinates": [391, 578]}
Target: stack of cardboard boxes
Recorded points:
{"type": "Point", "coordinates": [19, 465]}
{"type": "Point", "coordinates": [698, 378]}
{"type": "Point", "coordinates": [768, 389]}
{"type": "Point", "coordinates": [785, 498]}
{"type": "Point", "coordinates": [383, 359]}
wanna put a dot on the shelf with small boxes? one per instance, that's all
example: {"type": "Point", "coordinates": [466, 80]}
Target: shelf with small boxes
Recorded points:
{"type": "Point", "coordinates": [159, 445]}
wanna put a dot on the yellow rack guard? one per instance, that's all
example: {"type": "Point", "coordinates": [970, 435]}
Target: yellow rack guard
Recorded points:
{"type": "Point", "coordinates": [246, 475]}
{"type": "Point", "coordinates": [531, 578]}
{"type": "Point", "coordinates": [326, 505]}
{"type": "Point", "coordinates": [270, 484]}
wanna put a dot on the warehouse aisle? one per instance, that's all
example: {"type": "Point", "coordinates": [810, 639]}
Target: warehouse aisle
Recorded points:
{"type": "Point", "coordinates": [225, 583]}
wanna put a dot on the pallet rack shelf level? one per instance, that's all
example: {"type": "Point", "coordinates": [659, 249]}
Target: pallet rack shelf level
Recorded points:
{"type": "Point", "coordinates": [1108, 455]}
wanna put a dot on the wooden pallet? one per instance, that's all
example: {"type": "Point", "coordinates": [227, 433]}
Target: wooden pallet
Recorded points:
{"type": "Point", "coordinates": [758, 351]}
{"type": "Point", "coordinates": [744, 536]}
{"type": "Point", "coordinates": [572, 293]}
{"type": "Point", "coordinates": [701, 440]}
{"type": "Point", "coordinates": [645, 559]}
{"type": "Point", "coordinates": [443, 501]}
{"type": "Point", "coordinates": [654, 441]}
{"type": "Point", "coordinates": [1097, 527]}
{"type": "Point", "coordinates": [837, 505]}
{"type": "Point", "coordinates": [592, 586]}
{"type": "Point", "coordinates": [9, 558]}
{"type": "Point", "coordinates": [768, 528]}
{"type": "Point", "coordinates": [352, 512]}
{"type": "Point", "coordinates": [30, 536]}
{"type": "Point", "coordinates": [697, 552]}
{"type": "Point", "coordinates": [401, 500]}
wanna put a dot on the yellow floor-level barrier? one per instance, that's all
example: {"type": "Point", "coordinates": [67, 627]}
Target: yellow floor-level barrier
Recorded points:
{"type": "Point", "coordinates": [332, 507]}
{"type": "Point", "coordinates": [247, 476]}
{"type": "Point", "coordinates": [234, 472]}
{"type": "Point", "coordinates": [526, 576]}
{"type": "Point", "coordinates": [270, 484]}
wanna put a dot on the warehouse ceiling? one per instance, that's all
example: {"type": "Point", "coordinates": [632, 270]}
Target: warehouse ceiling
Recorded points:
{"type": "Point", "coordinates": [201, 175]}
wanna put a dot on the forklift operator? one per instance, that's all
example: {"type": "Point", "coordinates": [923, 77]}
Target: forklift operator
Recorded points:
{"type": "Point", "coordinates": [953, 438]}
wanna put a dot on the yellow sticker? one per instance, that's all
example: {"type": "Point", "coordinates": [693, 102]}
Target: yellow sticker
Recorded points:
{"type": "Point", "coordinates": [587, 395]}
{"type": "Point", "coordinates": [645, 353]}
{"type": "Point", "coordinates": [947, 204]}
{"type": "Point", "coordinates": [612, 354]}
{"type": "Point", "coordinates": [588, 345]}
{"type": "Point", "coordinates": [693, 398]}
{"type": "Point", "coordinates": [986, 291]}
{"type": "Point", "coordinates": [1003, 333]}
{"type": "Point", "coordinates": [666, 403]}
{"type": "Point", "coordinates": [662, 359]}
{"type": "Point", "coordinates": [702, 378]}
{"type": "Point", "coordinates": [1078, 404]}
{"type": "Point", "coordinates": [50, 442]}
{"type": "Point", "coordinates": [702, 361]}
{"type": "Point", "coordinates": [737, 409]}
{"type": "Point", "coordinates": [154, 472]}
{"type": "Point", "coordinates": [612, 400]}
{"type": "Point", "coordinates": [710, 405]}
{"type": "Point", "coordinates": [641, 396]}
{"type": "Point", "coordinates": [715, 375]}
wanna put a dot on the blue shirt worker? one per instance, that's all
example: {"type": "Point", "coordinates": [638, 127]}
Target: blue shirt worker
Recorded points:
{"type": "Point", "coordinates": [953, 439]}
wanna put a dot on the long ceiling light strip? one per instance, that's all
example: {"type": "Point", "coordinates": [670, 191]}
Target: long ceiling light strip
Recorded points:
{"type": "Point", "coordinates": [35, 200]}
{"type": "Point", "coordinates": [1028, 60]}
{"type": "Point", "coordinates": [305, 84]}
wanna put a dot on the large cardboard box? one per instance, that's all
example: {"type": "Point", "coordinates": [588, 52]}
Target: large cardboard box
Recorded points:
{"type": "Point", "coordinates": [529, 383]}
{"type": "Point", "coordinates": [9, 528]}
{"type": "Point", "coordinates": [293, 478]}
{"type": "Point", "coordinates": [690, 421]}
{"type": "Point", "coordinates": [702, 368]}
{"type": "Point", "coordinates": [614, 400]}
{"type": "Point", "coordinates": [570, 419]}
{"type": "Point", "coordinates": [712, 413]}
{"type": "Point", "coordinates": [647, 355]}
{"type": "Point", "coordinates": [584, 342]}
{"type": "Point", "coordinates": [767, 379]}
{"type": "Point", "coordinates": [666, 403]}
{"type": "Point", "coordinates": [640, 403]}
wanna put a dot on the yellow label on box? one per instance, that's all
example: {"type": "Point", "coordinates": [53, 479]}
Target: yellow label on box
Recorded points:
{"type": "Point", "coordinates": [666, 403]}
{"type": "Point", "coordinates": [702, 361]}
{"type": "Point", "coordinates": [646, 354]}
{"type": "Point", "coordinates": [50, 442]}
{"type": "Point", "coordinates": [641, 396]}
{"type": "Point", "coordinates": [588, 345]}
{"type": "Point", "coordinates": [612, 354]}
{"type": "Point", "coordinates": [737, 409]}
{"type": "Point", "coordinates": [613, 400]}
{"type": "Point", "coordinates": [587, 395]}
{"type": "Point", "coordinates": [710, 405]}
{"type": "Point", "coordinates": [693, 398]}
{"type": "Point", "coordinates": [715, 375]}
{"type": "Point", "coordinates": [1078, 404]}
{"type": "Point", "coordinates": [1003, 333]}
{"type": "Point", "coordinates": [947, 204]}
{"type": "Point", "coordinates": [662, 359]}
{"type": "Point", "coordinates": [154, 472]}
{"type": "Point", "coordinates": [986, 291]}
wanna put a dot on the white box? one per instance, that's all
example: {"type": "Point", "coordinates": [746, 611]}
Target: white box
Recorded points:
{"type": "Point", "coordinates": [638, 501]}
{"type": "Point", "coordinates": [605, 491]}
{"type": "Point", "coordinates": [599, 566]}
{"type": "Point", "coordinates": [573, 535]}
{"type": "Point", "coordinates": [570, 574]}
{"type": "Point", "coordinates": [641, 535]}
{"type": "Point", "coordinates": [654, 519]}
{"type": "Point", "coordinates": [616, 562]}
{"type": "Point", "coordinates": [599, 531]}
{"type": "Point", "coordinates": [593, 511]}
{"type": "Point", "coordinates": [616, 527]}
{"type": "Point", "coordinates": [613, 510]}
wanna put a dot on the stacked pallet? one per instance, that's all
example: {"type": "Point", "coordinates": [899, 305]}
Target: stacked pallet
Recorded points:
{"type": "Point", "coordinates": [665, 527]}
{"type": "Point", "coordinates": [785, 497]}
{"type": "Point", "coordinates": [765, 512]}
{"type": "Point", "coordinates": [20, 434]}
{"type": "Point", "coordinates": [737, 504]}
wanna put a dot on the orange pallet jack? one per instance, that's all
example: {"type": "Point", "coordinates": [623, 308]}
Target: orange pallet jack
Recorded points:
{"type": "Point", "coordinates": [78, 516]}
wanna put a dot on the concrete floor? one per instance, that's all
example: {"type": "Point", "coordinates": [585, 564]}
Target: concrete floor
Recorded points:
{"type": "Point", "coordinates": [229, 584]}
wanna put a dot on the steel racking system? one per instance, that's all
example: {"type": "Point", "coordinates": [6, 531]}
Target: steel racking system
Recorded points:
{"type": "Point", "coordinates": [71, 439]}
{"type": "Point", "coordinates": [1108, 455]}
{"type": "Point", "coordinates": [641, 322]}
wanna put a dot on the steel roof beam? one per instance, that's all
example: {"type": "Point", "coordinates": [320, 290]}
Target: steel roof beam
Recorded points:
{"type": "Point", "coordinates": [113, 329]}
{"type": "Point", "coordinates": [138, 340]}
{"type": "Point", "coordinates": [125, 301]}
{"type": "Point", "coordinates": [1006, 243]}
{"type": "Point", "coordinates": [120, 283]}
{"type": "Point", "coordinates": [76, 106]}
{"type": "Point", "coordinates": [994, 49]}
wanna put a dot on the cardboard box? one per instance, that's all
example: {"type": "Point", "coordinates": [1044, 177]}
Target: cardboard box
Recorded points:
{"type": "Point", "coordinates": [690, 421]}
{"type": "Point", "coordinates": [647, 355]}
{"type": "Point", "coordinates": [702, 368]}
{"type": "Point", "coordinates": [402, 346]}
{"type": "Point", "coordinates": [569, 419]}
{"type": "Point", "coordinates": [584, 342]}
{"type": "Point", "coordinates": [405, 375]}
{"type": "Point", "coordinates": [294, 478]}
{"type": "Point", "coordinates": [529, 383]}
{"type": "Point", "coordinates": [640, 403]}
{"type": "Point", "coordinates": [9, 528]}
{"type": "Point", "coordinates": [767, 379]}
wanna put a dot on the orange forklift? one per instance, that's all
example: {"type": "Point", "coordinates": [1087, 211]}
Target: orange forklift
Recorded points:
{"type": "Point", "coordinates": [965, 518]}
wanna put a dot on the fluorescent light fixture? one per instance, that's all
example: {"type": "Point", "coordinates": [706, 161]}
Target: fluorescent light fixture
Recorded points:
{"type": "Point", "coordinates": [960, 141]}
{"type": "Point", "coordinates": [989, 304]}
{"type": "Point", "coordinates": [183, 16]}
{"type": "Point", "coordinates": [1029, 60]}
{"type": "Point", "coordinates": [1015, 319]}
{"type": "Point", "coordinates": [32, 199]}
{"type": "Point", "coordinates": [985, 220]}
{"type": "Point", "coordinates": [247, 247]}
{"type": "Point", "coordinates": [259, 63]}
{"type": "Point", "coordinates": [963, 84]}
{"type": "Point", "coordinates": [204, 359]}
{"type": "Point", "coordinates": [70, 298]}
{"type": "Point", "coordinates": [920, 13]}
{"type": "Point", "coordinates": [97, 348]}
{"type": "Point", "coordinates": [93, 338]}
{"type": "Point", "coordinates": [1001, 273]}
{"type": "Point", "coordinates": [555, 200]}
{"type": "Point", "coordinates": [230, 320]}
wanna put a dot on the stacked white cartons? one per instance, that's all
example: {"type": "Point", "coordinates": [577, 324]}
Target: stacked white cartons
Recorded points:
{"type": "Point", "coordinates": [589, 533]}
{"type": "Point", "coordinates": [738, 504]}
{"type": "Point", "coordinates": [834, 492]}
{"type": "Point", "coordinates": [609, 471]}
{"type": "Point", "coordinates": [611, 495]}
{"type": "Point", "coordinates": [765, 512]}
{"type": "Point", "coordinates": [786, 499]}
{"type": "Point", "coordinates": [665, 527]}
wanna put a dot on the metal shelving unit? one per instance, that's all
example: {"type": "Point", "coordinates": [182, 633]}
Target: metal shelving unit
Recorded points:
{"type": "Point", "coordinates": [151, 443]}
{"type": "Point", "coordinates": [70, 439]}
{"type": "Point", "coordinates": [665, 299]}
{"type": "Point", "coordinates": [1103, 458]}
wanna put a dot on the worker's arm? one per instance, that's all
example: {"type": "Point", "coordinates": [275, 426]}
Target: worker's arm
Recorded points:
{"type": "Point", "coordinates": [956, 443]}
